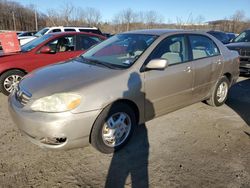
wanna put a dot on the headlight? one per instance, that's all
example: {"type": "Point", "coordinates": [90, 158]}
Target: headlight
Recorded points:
{"type": "Point", "coordinates": [60, 102]}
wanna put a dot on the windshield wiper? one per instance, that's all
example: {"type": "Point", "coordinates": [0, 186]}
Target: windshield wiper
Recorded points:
{"type": "Point", "coordinates": [96, 62]}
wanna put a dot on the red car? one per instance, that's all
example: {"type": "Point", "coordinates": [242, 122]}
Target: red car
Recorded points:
{"type": "Point", "coordinates": [48, 49]}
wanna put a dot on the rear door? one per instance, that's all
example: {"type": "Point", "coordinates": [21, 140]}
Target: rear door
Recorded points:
{"type": "Point", "coordinates": [207, 62]}
{"type": "Point", "coordinates": [171, 88]}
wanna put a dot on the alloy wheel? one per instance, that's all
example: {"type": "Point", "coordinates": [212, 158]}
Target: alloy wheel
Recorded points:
{"type": "Point", "coordinates": [116, 129]}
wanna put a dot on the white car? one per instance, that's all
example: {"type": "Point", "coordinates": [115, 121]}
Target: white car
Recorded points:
{"type": "Point", "coordinates": [46, 30]}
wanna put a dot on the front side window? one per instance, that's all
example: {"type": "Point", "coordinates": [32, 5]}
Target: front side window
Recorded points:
{"type": "Point", "coordinates": [173, 49]}
{"type": "Point", "coordinates": [202, 47]}
{"type": "Point", "coordinates": [120, 51]}
{"type": "Point", "coordinates": [34, 43]}
{"type": "Point", "coordinates": [62, 44]}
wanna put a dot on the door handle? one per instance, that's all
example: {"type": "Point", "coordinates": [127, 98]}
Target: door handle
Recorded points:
{"type": "Point", "coordinates": [188, 69]}
{"type": "Point", "coordinates": [219, 62]}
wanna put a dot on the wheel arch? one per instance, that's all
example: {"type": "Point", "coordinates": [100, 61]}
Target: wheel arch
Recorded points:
{"type": "Point", "coordinates": [229, 77]}
{"type": "Point", "coordinates": [128, 102]}
{"type": "Point", "coordinates": [11, 69]}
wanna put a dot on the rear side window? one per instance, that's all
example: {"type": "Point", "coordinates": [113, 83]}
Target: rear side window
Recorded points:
{"type": "Point", "coordinates": [95, 31]}
{"type": "Point", "coordinates": [202, 47]}
{"type": "Point", "coordinates": [55, 30]}
{"type": "Point", "coordinates": [69, 30]}
{"type": "Point", "coordinates": [88, 41]}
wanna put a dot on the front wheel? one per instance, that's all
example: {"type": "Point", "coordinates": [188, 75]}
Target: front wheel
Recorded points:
{"type": "Point", "coordinates": [113, 128]}
{"type": "Point", "coordinates": [220, 92]}
{"type": "Point", "coordinates": [9, 81]}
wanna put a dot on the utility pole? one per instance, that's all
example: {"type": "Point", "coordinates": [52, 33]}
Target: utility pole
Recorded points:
{"type": "Point", "coordinates": [14, 21]}
{"type": "Point", "coordinates": [36, 20]}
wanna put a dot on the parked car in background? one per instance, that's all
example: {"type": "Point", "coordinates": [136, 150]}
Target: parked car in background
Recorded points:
{"type": "Point", "coordinates": [242, 44]}
{"type": "Point", "coordinates": [27, 33]}
{"type": "Point", "coordinates": [221, 36]}
{"type": "Point", "coordinates": [108, 35]}
{"type": "Point", "coordinates": [1, 49]}
{"type": "Point", "coordinates": [231, 36]}
{"type": "Point", "coordinates": [48, 49]}
{"type": "Point", "coordinates": [124, 81]}
{"type": "Point", "coordinates": [25, 36]}
{"type": "Point", "coordinates": [47, 30]}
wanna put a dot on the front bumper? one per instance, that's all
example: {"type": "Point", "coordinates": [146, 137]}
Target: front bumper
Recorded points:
{"type": "Point", "coordinates": [67, 129]}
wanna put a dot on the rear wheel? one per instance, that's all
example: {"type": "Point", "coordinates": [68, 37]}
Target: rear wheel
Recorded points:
{"type": "Point", "coordinates": [9, 81]}
{"type": "Point", "coordinates": [113, 128]}
{"type": "Point", "coordinates": [220, 92]}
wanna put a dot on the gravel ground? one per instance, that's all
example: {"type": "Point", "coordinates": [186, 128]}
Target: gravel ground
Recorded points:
{"type": "Point", "coordinates": [197, 146]}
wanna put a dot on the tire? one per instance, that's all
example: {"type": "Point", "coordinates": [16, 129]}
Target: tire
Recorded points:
{"type": "Point", "coordinates": [13, 77]}
{"type": "Point", "coordinates": [103, 125]}
{"type": "Point", "coordinates": [215, 99]}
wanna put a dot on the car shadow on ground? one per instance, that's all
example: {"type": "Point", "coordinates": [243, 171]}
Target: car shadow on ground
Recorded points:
{"type": "Point", "coordinates": [129, 166]}
{"type": "Point", "coordinates": [239, 99]}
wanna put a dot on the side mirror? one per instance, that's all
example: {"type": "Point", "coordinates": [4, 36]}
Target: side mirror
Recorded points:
{"type": "Point", "coordinates": [46, 50]}
{"type": "Point", "coordinates": [157, 64]}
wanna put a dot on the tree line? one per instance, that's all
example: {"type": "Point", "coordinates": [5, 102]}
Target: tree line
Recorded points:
{"type": "Point", "coordinates": [14, 16]}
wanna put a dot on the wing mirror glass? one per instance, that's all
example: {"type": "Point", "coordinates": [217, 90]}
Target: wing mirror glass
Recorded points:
{"type": "Point", "coordinates": [46, 50]}
{"type": "Point", "coordinates": [157, 64]}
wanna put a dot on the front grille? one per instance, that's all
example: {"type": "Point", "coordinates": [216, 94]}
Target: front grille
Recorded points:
{"type": "Point", "coordinates": [23, 96]}
{"type": "Point", "coordinates": [244, 53]}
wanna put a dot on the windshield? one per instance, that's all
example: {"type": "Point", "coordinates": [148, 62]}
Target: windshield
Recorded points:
{"type": "Point", "coordinates": [121, 50]}
{"type": "Point", "coordinates": [34, 43]}
{"type": "Point", "coordinates": [41, 32]}
{"type": "Point", "coordinates": [243, 37]}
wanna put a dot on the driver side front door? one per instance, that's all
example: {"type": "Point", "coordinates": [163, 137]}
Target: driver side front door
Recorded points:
{"type": "Point", "coordinates": [170, 89]}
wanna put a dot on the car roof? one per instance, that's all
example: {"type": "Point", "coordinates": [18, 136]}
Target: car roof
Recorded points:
{"type": "Point", "coordinates": [74, 33]}
{"type": "Point", "coordinates": [67, 27]}
{"type": "Point", "coordinates": [160, 32]}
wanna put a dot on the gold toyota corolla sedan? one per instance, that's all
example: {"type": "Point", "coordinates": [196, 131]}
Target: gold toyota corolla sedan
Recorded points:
{"type": "Point", "coordinates": [100, 96]}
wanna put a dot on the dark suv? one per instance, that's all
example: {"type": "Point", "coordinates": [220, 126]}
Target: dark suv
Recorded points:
{"type": "Point", "coordinates": [242, 44]}
{"type": "Point", "coordinates": [221, 36]}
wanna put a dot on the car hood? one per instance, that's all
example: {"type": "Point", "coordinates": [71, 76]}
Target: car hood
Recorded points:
{"type": "Point", "coordinates": [2, 55]}
{"type": "Point", "coordinates": [70, 76]}
{"type": "Point", "coordinates": [238, 45]}
{"type": "Point", "coordinates": [27, 37]}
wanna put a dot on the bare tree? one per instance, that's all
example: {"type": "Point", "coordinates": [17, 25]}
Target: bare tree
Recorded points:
{"type": "Point", "coordinates": [199, 19]}
{"type": "Point", "coordinates": [14, 16]}
{"type": "Point", "coordinates": [128, 16]}
{"type": "Point", "coordinates": [92, 16]}
{"type": "Point", "coordinates": [179, 22]}
{"type": "Point", "coordinates": [152, 18]}
{"type": "Point", "coordinates": [237, 18]}
{"type": "Point", "coordinates": [53, 17]}
{"type": "Point", "coordinates": [66, 12]}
